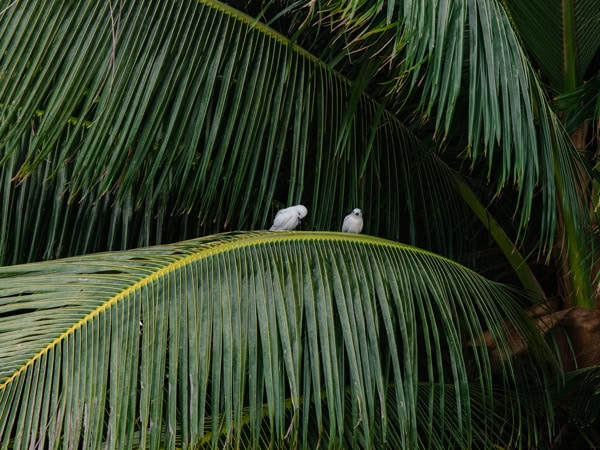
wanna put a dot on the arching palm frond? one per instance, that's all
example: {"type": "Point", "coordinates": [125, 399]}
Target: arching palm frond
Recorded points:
{"type": "Point", "coordinates": [258, 339]}
{"type": "Point", "coordinates": [136, 123]}
{"type": "Point", "coordinates": [219, 136]}
{"type": "Point", "coordinates": [464, 63]}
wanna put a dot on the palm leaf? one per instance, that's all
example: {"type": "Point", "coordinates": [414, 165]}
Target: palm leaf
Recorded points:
{"type": "Point", "coordinates": [201, 160]}
{"type": "Point", "coordinates": [192, 113]}
{"type": "Point", "coordinates": [258, 339]}
{"type": "Point", "coordinates": [562, 36]}
{"type": "Point", "coordinates": [192, 155]}
{"type": "Point", "coordinates": [466, 67]}
{"type": "Point", "coordinates": [578, 404]}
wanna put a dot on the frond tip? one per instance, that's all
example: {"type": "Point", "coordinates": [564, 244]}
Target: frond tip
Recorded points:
{"type": "Point", "coordinates": [288, 338]}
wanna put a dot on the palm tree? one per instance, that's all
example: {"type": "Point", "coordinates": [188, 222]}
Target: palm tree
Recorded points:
{"type": "Point", "coordinates": [129, 125]}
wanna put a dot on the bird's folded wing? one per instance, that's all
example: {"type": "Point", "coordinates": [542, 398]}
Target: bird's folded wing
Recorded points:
{"type": "Point", "coordinates": [346, 224]}
{"type": "Point", "coordinates": [285, 219]}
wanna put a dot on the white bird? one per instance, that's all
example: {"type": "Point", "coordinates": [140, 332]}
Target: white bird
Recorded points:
{"type": "Point", "coordinates": [289, 218]}
{"type": "Point", "coordinates": [353, 222]}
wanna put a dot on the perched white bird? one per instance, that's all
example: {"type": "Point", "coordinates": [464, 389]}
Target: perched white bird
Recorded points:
{"type": "Point", "coordinates": [353, 222]}
{"type": "Point", "coordinates": [289, 218]}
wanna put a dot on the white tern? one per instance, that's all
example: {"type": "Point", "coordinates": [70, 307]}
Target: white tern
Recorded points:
{"type": "Point", "coordinates": [353, 222]}
{"type": "Point", "coordinates": [289, 218]}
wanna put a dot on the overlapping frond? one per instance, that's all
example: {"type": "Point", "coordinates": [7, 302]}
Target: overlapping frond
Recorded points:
{"type": "Point", "coordinates": [152, 121]}
{"type": "Point", "coordinates": [562, 36]}
{"type": "Point", "coordinates": [258, 339]}
{"type": "Point", "coordinates": [465, 65]}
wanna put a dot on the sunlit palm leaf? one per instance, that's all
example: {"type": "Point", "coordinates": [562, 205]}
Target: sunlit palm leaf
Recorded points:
{"type": "Point", "coordinates": [257, 338]}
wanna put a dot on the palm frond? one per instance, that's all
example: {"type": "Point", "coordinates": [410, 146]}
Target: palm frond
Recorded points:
{"type": "Point", "coordinates": [193, 113]}
{"type": "Point", "coordinates": [581, 104]}
{"type": "Point", "coordinates": [578, 408]}
{"type": "Point", "coordinates": [464, 63]}
{"type": "Point", "coordinates": [273, 338]}
{"type": "Point", "coordinates": [563, 37]}
{"type": "Point", "coordinates": [194, 155]}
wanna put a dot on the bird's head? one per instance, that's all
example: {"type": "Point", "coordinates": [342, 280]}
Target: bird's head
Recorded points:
{"type": "Point", "coordinates": [356, 212]}
{"type": "Point", "coordinates": [302, 211]}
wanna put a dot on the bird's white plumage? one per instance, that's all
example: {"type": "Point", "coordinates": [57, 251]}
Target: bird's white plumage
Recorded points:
{"type": "Point", "coordinates": [353, 222]}
{"type": "Point", "coordinates": [289, 218]}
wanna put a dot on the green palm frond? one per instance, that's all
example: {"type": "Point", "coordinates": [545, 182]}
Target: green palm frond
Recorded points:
{"type": "Point", "coordinates": [581, 104]}
{"type": "Point", "coordinates": [583, 388]}
{"type": "Point", "coordinates": [257, 339]}
{"type": "Point", "coordinates": [191, 112]}
{"type": "Point", "coordinates": [562, 36]}
{"type": "Point", "coordinates": [576, 396]}
{"type": "Point", "coordinates": [130, 136]}
{"type": "Point", "coordinates": [466, 67]}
